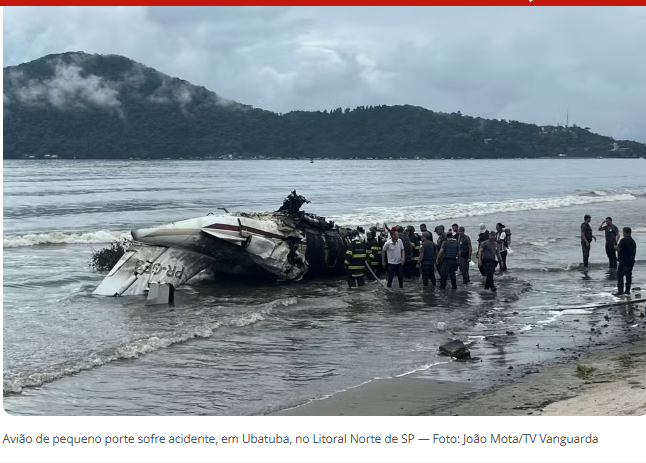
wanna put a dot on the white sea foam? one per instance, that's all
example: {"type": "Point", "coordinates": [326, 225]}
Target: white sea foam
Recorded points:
{"type": "Point", "coordinates": [422, 368]}
{"type": "Point", "coordinates": [539, 242]}
{"type": "Point", "coordinates": [637, 191]}
{"type": "Point", "coordinates": [575, 312]}
{"type": "Point", "coordinates": [134, 349]}
{"type": "Point", "coordinates": [555, 316]}
{"type": "Point", "coordinates": [409, 214]}
{"type": "Point", "coordinates": [101, 236]}
{"type": "Point", "coordinates": [371, 215]}
{"type": "Point", "coordinates": [604, 294]}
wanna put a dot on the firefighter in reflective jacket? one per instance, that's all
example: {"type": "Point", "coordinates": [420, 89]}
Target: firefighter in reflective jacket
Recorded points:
{"type": "Point", "coordinates": [355, 261]}
{"type": "Point", "coordinates": [416, 243]}
{"type": "Point", "coordinates": [374, 248]}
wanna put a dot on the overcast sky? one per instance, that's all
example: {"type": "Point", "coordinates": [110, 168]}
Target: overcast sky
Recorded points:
{"type": "Point", "coordinates": [528, 63]}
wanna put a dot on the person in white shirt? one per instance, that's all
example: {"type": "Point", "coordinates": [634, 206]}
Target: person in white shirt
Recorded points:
{"type": "Point", "coordinates": [393, 250]}
{"type": "Point", "coordinates": [502, 239]}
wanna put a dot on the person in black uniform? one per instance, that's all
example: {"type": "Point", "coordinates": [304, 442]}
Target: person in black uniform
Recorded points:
{"type": "Point", "coordinates": [355, 261]}
{"type": "Point", "coordinates": [488, 258]}
{"type": "Point", "coordinates": [464, 243]}
{"type": "Point", "coordinates": [441, 237]}
{"type": "Point", "coordinates": [427, 257]}
{"type": "Point", "coordinates": [482, 237]}
{"type": "Point", "coordinates": [374, 248]}
{"type": "Point", "coordinates": [626, 253]}
{"type": "Point", "coordinates": [586, 238]}
{"type": "Point", "coordinates": [612, 238]}
{"type": "Point", "coordinates": [448, 259]}
{"type": "Point", "coordinates": [405, 239]}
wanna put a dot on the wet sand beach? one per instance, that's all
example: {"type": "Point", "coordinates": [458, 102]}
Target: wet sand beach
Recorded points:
{"type": "Point", "coordinates": [606, 380]}
{"type": "Point", "coordinates": [615, 387]}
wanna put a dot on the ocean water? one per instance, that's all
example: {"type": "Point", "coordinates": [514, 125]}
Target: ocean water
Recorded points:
{"type": "Point", "coordinates": [247, 348]}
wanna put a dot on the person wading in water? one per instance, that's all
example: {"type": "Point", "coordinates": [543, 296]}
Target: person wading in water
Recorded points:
{"type": "Point", "coordinates": [487, 255]}
{"type": "Point", "coordinates": [586, 238]}
{"type": "Point", "coordinates": [464, 243]}
{"type": "Point", "coordinates": [612, 238]}
{"type": "Point", "coordinates": [447, 258]}
{"type": "Point", "coordinates": [394, 253]}
{"type": "Point", "coordinates": [427, 256]}
{"type": "Point", "coordinates": [627, 250]}
{"type": "Point", "coordinates": [503, 242]}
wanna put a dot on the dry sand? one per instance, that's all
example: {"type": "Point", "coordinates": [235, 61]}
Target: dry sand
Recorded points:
{"type": "Point", "coordinates": [616, 387]}
{"type": "Point", "coordinates": [623, 394]}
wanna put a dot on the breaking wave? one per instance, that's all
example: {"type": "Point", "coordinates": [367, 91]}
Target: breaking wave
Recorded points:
{"type": "Point", "coordinates": [545, 242]}
{"type": "Point", "coordinates": [639, 191]}
{"type": "Point", "coordinates": [101, 236]}
{"type": "Point", "coordinates": [541, 242]}
{"type": "Point", "coordinates": [571, 267]}
{"type": "Point", "coordinates": [15, 383]}
{"type": "Point", "coordinates": [407, 214]}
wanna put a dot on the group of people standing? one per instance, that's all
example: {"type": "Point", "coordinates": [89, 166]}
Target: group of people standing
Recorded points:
{"type": "Point", "coordinates": [621, 252]}
{"type": "Point", "coordinates": [403, 253]}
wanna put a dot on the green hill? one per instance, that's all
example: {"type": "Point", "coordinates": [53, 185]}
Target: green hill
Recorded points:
{"type": "Point", "coordinates": [108, 106]}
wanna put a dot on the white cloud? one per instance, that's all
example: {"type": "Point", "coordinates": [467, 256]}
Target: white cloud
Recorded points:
{"type": "Point", "coordinates": [513, 63]}
{"type": "Point", "coordinates": [68, 88]}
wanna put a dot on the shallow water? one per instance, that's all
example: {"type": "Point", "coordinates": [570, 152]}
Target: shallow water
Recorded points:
{"type": "Point", "coordinates": [247, 349]}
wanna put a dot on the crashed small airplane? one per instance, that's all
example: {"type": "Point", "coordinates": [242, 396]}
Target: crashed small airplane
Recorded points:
{"type": "Point", "coordinates": [284, 245]}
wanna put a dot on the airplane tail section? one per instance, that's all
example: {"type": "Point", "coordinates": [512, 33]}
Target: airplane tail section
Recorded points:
{"type": "Point", "coordinates": [143, 264]}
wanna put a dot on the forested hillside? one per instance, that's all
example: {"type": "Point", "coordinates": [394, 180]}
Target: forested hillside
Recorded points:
{"type": "Point", "coordinates": [96, 106]}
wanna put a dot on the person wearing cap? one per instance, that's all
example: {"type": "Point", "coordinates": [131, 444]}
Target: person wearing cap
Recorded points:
{"type": "Point", "coordinates": [355, 260]}
{"type": "Point", "coordinates": [448, 259]}
{"type": "Point", "coordinates": [488, 257]}
{"type": "Point", "coordinates": [482, 237]}
{"type": "Point", "coordinates": [427, 256]}
{"type": "Point", "coordinates": [393, 253]}
{"type": "Point", "coordinates": [586, 238]}
{"type": "Point", "coordinates": [441, 234]}
{"type": "Point", "coordinates": [612, 238]}
{"type": "Point", "coordinates": [464, 245]}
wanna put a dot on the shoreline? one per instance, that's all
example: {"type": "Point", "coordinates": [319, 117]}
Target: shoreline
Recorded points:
{"type": "Point", "coordinates": [611, 381]}
{"type": "Point", "coordinates": [320, 159]}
